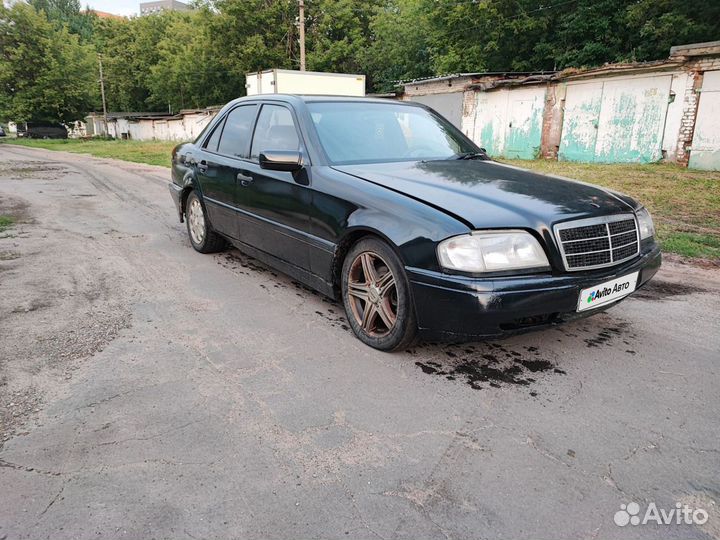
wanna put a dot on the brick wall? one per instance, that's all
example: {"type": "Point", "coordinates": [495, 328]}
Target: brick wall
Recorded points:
{"type": "Point", "coordinates": [690, 105]}
{"type": "Point", "coordinates": [436, 87]}
{"type": "Point", "coordinates": [552, 120]}
{"type": "Point", "coordinates": [687, 124]}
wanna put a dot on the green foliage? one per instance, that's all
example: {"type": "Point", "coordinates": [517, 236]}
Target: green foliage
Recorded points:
{"type": "Point", "coordinates": [129, 51]}
{"type": "Point", "coordinates": [399, 49]}
{"type": "Point", "coordinates": [689, 244]}
{"type": "Point", "coordinates": [45, 73]}
{"type": "Point", "coordinates": [338, 33]}
{"type": "Point", "coordinates": [5, 222]}
{"type": "Point", "coordinates": [67, 13]}
{"type": "Point", "coordinates": [531, 35]}
{"type": "Point", "coordinates": [252, 35]}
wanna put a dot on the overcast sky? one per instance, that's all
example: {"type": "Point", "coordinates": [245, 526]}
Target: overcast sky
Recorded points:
{"type": "Point", "coordinates": [121, 7]}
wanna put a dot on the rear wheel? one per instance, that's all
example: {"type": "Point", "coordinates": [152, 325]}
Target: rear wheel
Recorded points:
{"type": "Point", "coordinates": [377, 297]}
{"type": "Point", "coordinates": [202, 237]}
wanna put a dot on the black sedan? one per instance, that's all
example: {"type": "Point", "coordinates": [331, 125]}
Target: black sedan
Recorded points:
{"type": "Point", "coordinates": [388, 207]}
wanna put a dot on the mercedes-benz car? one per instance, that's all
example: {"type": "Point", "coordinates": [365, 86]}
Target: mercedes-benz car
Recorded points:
{"type": "Point", "coordinates": [389, 208]}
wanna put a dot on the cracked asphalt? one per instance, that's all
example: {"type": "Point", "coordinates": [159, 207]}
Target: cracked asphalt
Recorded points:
{"type": "Point", "coordinates": [148, 391]}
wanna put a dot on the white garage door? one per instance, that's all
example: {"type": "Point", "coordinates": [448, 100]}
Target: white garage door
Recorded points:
{"type": "Point", "coordinates": [448, 105]}
{"type": "Point", "coordinates": [705, 149]}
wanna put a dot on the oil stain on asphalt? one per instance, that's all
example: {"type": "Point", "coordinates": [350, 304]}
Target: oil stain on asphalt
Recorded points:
{"type": "Point", "coordinates": [659, 290]}
{"type": "Point", "coordinates": [487, 365]}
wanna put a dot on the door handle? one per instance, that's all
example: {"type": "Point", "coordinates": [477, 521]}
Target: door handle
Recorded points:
{"type": "Point", "coordinates": [244, 179]}
{"type": "Point", "coordinates": [202, 166]}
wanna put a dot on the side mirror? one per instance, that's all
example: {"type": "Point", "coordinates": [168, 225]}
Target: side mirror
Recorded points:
{"type": "Point", "coordinates": [281, 160]}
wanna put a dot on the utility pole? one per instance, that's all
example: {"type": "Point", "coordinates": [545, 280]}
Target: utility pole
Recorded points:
{"type": "Point", "coordinates": [302, 34]}
{"type": "Point", "coordinates": [102, 93]}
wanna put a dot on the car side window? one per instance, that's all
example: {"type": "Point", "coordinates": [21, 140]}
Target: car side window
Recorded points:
{"type": "Point", "coordinates": [212, 142]}
{"type": "Point", "coordinates": [235, 138]}
{"type": "Point", "coordinates": [275, 130]}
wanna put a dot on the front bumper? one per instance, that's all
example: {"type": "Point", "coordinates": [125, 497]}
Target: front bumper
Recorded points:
{"type": "Point", "coordinates": [458, 307]}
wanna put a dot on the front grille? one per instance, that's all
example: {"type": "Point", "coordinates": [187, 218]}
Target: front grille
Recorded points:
{"type": "Point", "coordinates": [597, 242]}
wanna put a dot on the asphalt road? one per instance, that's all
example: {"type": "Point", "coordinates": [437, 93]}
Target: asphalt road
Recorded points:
{"type": "Point", "coordinates": [148, 391]}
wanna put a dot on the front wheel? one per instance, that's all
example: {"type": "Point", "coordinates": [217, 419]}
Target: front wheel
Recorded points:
{"type": "Point", "coordinates": [377, 297]}
{"type": "Point", "coordinates": [202, 237]}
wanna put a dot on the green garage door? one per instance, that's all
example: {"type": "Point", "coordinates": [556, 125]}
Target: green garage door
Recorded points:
{"type": "Point", "coordinates": [619, 120]}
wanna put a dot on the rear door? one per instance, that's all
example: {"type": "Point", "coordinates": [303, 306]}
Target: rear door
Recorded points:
{"type": "Point", "coordinates": [274, 206]}
{"type": "Point", "coordinates": [223, 150]}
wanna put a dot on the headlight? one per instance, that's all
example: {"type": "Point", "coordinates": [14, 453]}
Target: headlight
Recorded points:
{"type": "Point", "coordinates": [645, 222]}
{"type": "Point", "coordinates": [493, 251]}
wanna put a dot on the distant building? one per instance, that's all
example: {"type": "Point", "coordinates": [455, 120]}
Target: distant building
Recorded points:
{"type": "Point", "coordinates": [103, 14]}
{"type": "Point", "coordinates": [148, 8]}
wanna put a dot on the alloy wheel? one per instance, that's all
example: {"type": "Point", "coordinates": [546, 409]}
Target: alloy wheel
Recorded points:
{"type": "Point", "coordinates": [196, 220]}
{"type": "Point", "coordinates": [372, 294]}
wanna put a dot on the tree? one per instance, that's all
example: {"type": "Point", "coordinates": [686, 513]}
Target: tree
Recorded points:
{"type": "Point", "coordinates": [400, 49]}
{"type": "Point", "coordinates": [657, 25]}
{"type": "Point", "coordinates": [338, 34]}
{"type": "Point", "coordinates": [45, 73]}
{"type": "Point", "coordinates": [188, 72]}
{"type": "Point", "coordinates": [532, 35]}
{"type": "Point", "coordinates": [129, 51]}
{"type": "Point", "coordinates": [251, 35]}
{"type": "Point", "coordinates": [67, 12]}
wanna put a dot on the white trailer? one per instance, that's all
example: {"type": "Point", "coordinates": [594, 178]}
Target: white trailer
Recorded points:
{"type": "Point", "coordinates": [286, 81]}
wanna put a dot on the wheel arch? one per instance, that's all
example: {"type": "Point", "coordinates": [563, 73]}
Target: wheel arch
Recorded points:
{"type": "Point", "coordinates": [189, 185]}
{"type": "Point", "coordinates": [349, 239]}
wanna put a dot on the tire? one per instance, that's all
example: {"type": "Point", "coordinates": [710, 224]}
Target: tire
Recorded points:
{"type": "Point", "coordinates": [375, 291]}
{"type": "Point", "coordinates": [202, 237]}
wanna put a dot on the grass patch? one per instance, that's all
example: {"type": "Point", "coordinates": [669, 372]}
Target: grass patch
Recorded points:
{"type": "Point", "coordinates": [684, 203]}
{"type": "Point", "coordinates": [150, 152]}
{"type": "Point", "coordinates": [5, 222]}
{"type": "Point", "coordinates": [688, 244]}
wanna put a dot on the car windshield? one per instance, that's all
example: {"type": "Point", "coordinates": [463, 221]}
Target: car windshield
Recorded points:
{"type": "Point", "coordinates": [354, 132]}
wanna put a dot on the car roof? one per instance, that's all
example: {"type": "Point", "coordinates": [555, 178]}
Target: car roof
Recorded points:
{"type": "Point", "coordinates": [289, 98]}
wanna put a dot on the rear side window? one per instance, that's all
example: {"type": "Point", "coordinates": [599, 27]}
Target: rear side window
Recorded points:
{"type": "Point", "coordinates": [212, 143]}
{"type": "Point", "coordinates": [275, 131]}
{"type": "Point", "coordinates": [235, 138]}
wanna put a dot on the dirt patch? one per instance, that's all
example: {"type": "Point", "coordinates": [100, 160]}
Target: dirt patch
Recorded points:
{"type": "Point", "coordinates": [17, 209]}
{"type": "Point", "coordinates": [49, 325]}
{"type": "Point", "coordinates": [9, 255]}
{"type": "Point", "coordinates": [660, 290]}
{"type": "Point", "coordinates": [41, 170]}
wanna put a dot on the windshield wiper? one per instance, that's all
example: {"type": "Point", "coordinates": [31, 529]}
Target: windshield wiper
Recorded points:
{"type": "Point", "coordinates": [470, 155]}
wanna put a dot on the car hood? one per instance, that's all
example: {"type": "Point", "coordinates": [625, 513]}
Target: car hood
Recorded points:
{"type": "Point", "coordinates": [489, 194]}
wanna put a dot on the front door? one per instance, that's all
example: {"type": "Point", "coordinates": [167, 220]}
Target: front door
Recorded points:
{"type": "Point", "coordinates": [274, 206]}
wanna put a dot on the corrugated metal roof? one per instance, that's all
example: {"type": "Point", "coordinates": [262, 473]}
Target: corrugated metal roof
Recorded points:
{"type": "Point", "coordinates": [477, 74]}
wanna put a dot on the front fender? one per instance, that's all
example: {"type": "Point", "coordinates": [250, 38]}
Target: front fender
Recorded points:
{"type": "Point", "coordinates": [413, 232]}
